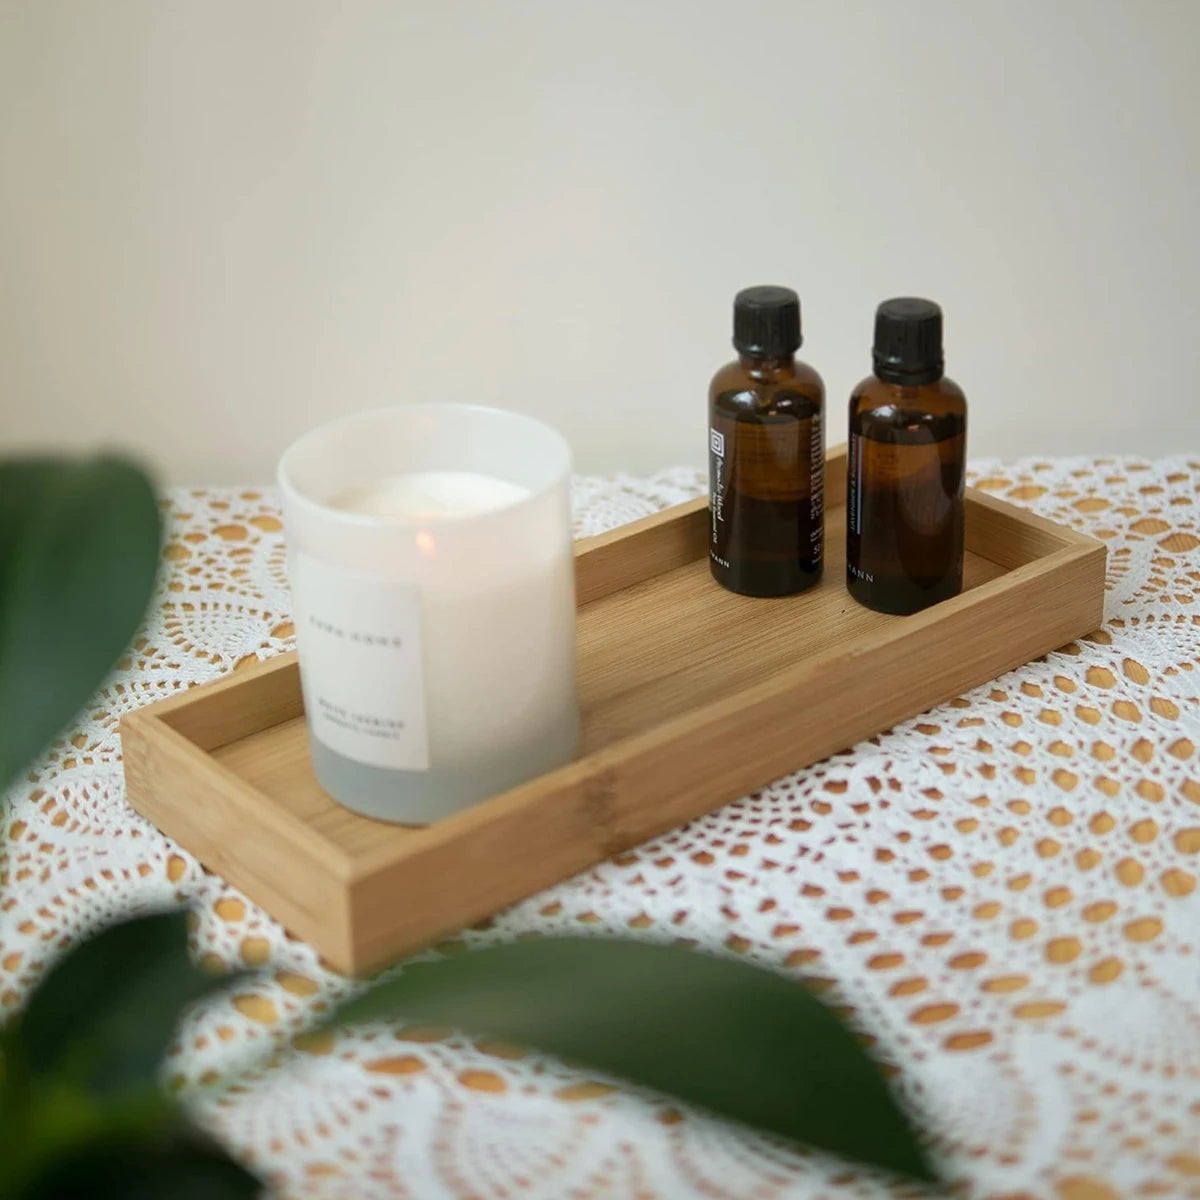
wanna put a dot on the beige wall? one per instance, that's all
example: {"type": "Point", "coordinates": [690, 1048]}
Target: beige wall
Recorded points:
{"type": "Point", "coordinates": [222, 221]}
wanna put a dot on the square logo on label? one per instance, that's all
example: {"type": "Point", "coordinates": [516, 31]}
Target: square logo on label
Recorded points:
{"type": "Point", "coordinates": [716, 442]}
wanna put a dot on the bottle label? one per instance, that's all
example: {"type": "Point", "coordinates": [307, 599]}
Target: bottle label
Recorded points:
{"type": "Point", "coordinates": [854, 485]}
{"type": "Point", "coordinates": [359, 639]}
{"type": "Point", "coordinates": [718, 482]}
{"type": "Point", "coordinates": [816, 495]}
{"type": "Point", "coordinates": [854, 510]}
{"type": "Point", "coordinates": [767, 491]}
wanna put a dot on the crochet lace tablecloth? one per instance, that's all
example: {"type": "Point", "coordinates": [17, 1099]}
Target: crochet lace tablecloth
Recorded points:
{"type": "Point", "coordinates": [1003, 891]}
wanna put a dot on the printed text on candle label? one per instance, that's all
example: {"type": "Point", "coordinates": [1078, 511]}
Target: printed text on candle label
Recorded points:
{"type": "Point", "coordinates": [359, 639]}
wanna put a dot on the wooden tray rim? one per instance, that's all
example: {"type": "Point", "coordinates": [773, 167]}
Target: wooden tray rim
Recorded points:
{"type": "Point", "coordinates": [1032, 546]}
{"type": "Point", "coordinates": [1071, 547]}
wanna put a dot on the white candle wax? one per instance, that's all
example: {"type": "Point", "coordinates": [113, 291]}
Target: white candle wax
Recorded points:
{"type": "Point", "coordinates": [426, 496]}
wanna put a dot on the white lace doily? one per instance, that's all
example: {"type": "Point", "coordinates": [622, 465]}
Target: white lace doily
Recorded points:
{"type": "Point", "coordinates": [1003, 892]}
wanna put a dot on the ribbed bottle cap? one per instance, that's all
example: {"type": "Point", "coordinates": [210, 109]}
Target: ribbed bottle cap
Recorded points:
{"type": "Point", "coordinates": [908, 341]}
{"type": "Point", "coordinates": [766, 321]}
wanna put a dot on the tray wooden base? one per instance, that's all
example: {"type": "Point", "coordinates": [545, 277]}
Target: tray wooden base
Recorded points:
{"type": "Point", "coordinates": [691, 696]}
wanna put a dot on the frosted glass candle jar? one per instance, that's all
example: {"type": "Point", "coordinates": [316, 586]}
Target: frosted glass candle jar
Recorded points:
{"type": "Point", "coordinates": [432, 570]}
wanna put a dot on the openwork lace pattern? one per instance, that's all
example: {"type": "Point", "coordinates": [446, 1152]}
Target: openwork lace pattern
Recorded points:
{"type": "Point", "coordinates": [1002, 893]}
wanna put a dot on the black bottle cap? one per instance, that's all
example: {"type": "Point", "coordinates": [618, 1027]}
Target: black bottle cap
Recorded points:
{"type": "Point", "coordinates": [908, 341]}
{"type": "Point", "coordinates": [766, 321]}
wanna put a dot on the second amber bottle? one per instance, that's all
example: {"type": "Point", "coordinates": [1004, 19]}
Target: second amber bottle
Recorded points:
{"type": "Point", "coordinates": [907, 465]}
{"type": "Point", "coordinates": [766, 453]}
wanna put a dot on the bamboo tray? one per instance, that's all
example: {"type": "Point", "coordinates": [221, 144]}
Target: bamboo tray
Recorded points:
{"type": "Point", "coordinates": [691, 696]}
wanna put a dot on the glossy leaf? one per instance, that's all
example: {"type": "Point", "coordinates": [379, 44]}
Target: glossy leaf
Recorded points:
{"type": "Point", "coordinates": [79, 544]}
{"type": "Point", "coordinates": [741, 1041]}
{"type": "Point", "coordinates": [105, 1013]}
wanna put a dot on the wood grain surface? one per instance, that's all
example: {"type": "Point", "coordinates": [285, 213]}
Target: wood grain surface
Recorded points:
{"type": "Point", "coordinates": [690, 696]}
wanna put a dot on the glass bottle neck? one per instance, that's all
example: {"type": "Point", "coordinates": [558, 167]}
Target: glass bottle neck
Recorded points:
{"type": "Point", "coordinates": [909, 378]}
{"type": "Point", "coordinates": [761, 366]}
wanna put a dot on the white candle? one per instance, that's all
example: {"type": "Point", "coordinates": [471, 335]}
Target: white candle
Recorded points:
{"type": "Point", "coordinates": [426, 496]}
{"type": "Point", "coordinates": [431, 564]}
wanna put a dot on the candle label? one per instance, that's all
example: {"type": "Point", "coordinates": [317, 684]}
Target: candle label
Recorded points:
{"type": "Point", "coordinates": [359, 639]}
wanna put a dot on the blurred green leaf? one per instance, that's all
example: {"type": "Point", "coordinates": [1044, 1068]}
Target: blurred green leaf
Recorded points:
{"type": "Point", "coordinates": [79, 544]}
{"type": "Point", "coordinates": [184, 1167]}
{"type": "Point", "coordinates": [105, 1013]}
{"type": "Point", "coordinates": [46, 1120]}
{"type": "Point", "coordinates": [738, 1040]}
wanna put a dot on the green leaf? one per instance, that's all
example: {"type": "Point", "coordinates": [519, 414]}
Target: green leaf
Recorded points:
{"type": "Point", "coordinates": [741, 1041]}
{"type": "Point", "coordinates": [48, 1119]}
{"type": "Point", "coordinates": [185, 1167]}
{"type": "Point", "coordinates": [105, 1013]}
{"type": "Point", "coordinates": [79, 545]}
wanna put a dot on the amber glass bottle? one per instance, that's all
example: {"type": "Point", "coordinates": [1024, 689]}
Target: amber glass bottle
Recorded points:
{"type": "Point", "coordinates": [907, 454]}
{"type": "Point", "coordinates": [766, 453]}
